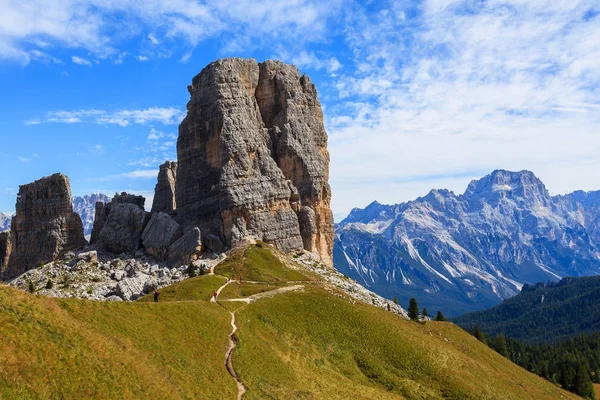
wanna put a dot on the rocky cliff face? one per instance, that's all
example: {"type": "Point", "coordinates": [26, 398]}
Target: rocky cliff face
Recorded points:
{"type": "Point", "coordinates": [44, 227]}
{"type": "Point", "coordinates": [5, 249]}
{"type": "Point", "coordinates": [253, 160]}
{"type": "Point", "coordinates": [466, 252]}
{"type": "Point", "coordinates": [164, 192]}
{"type": "Point", "coordinates": [118, 225]}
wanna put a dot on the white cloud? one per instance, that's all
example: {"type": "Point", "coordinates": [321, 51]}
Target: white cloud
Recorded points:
{"type": "Point", "coordinates": [23, 159]}
{"type": "Point", "coordinates": [137, 174]}
{"type": "Point", "coordinates": [305, 59]}
{"type": "Point", "coordinates": [464, 89]}
{"type": "Point", "coordinates": [164, 115]}
{"type": "Point", "coordinates": [100, 26]}
{"type": "Point", "coordinates": [153, 39]}
{"type": "Point", "coordinates": [81, 61]}
{"type": "Point", "coordinates": [143, 58]}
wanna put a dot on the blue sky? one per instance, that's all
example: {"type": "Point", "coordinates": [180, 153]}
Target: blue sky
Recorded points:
{"type": "Point", "coordinates": [417, 95]}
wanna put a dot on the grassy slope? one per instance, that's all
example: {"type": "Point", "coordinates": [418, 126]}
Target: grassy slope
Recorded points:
{"type": "Point", "coordinates": [198, 288]}
{"type": "Point", "coordinates": [310, 345]}
{"type": "Point", "coordinates": [328, 348]}
{"type": "Point", "coordinates": [76, 349]}
{"type": "Point", "coordinates": [257, 264]}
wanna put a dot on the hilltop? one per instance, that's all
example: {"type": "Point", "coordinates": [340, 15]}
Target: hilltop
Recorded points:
{"type": "Point", "coordinates": [298, 336]}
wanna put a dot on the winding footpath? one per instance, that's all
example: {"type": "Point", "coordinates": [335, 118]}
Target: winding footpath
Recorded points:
{"type": "Point", "coordinates": [233, 340]}
{"type": "Point", "coordinates": [229, 359]}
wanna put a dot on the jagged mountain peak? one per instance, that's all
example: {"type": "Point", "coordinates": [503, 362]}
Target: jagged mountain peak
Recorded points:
{"type": "Point", "coordinates": [503, 184]}
{"type": "Point", "coordinates": [470, 251]}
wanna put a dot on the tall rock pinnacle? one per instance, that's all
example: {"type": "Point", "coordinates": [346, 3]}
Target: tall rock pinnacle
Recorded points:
{"type": "Point", "coordinates": [44, 227]}
{"type": "Point", "coordinates": [253, 160]}
{"type": "Point", "coordinates": [164, 193]}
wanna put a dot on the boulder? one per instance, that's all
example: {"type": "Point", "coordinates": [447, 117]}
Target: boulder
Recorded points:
{"type": "Point", "coordinates": [44, 226]}
{"type": "Point", "coordinates": [131, 288]}
{"type": "Point", "coordinates": [159, 234]}
{"type": "Point", "coordinates": [185, 249]}
{"type": "Point", "coordinates": [89, 256]}
{"type": "Point", "coordinates": [164, 192]}
{"type": "Point", "coordinates": [122, 232]}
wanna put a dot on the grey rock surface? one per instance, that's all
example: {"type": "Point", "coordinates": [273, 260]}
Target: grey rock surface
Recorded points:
{"type": "Point", "coordinates": [164, 192]}
{"type": "Point", "coordinates": [108, 278]}
{"type": "Point", "coordinates": [44, 226]}
{"type": "Point", "coordinates": [159, 234]}
{"type": "Point", "coordinates": [5, 249]}
{"type": "Point", "coordinates": [252, 151]}
{"type": "Point", "coordinates": [187, 248]}
{"type": "Point", "coordinates": [122, 232]}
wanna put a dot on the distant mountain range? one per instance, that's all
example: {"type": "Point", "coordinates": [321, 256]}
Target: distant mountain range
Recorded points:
{"type": "Point", "coordinates": [543, 312]}
{"type": "Point", "coordinates": [84, 206]}
{"type": "Point", "coordinates": [460, 253]}
{"type": "Point", "coordinates": [4, 222]}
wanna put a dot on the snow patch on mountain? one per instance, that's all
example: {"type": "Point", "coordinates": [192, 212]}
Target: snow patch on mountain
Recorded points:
{"type": "Point", "coordinates": [472, 250]}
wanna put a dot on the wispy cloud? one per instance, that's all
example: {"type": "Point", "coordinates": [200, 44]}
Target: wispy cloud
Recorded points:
{"type": "Point", "coordinates": [464, 87]}
{"type": "Point", "coordinates": [99, 27]}
{"type": "Point", "coordinates": [81, 61]}
{"type": "Point", "coordinates": [164, 115]}
{"type": "Point", "coordinates": [305, 59]}
{"type": "Point", "coordinates": [158, 148]}
{"type": "Point", "coordinates": [137, 174]}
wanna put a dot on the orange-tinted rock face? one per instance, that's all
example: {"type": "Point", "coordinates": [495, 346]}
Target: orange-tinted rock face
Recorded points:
{"type": "Point", "coordinates": [44, 227]}
{"type": "Point", "coordinates": [252, 158]}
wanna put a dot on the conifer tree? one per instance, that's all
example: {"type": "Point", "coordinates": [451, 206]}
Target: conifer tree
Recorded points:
{"type": "Point", "coordinates": [413, 309]}
{"type": "Point", "coordinates": [500, 345]}
{"type": "Point", "coordinates": [425, 312]}
{"type": "Point", "coordinates": [395, 300]}
{"type": "Point", "coordinates": [478, 333]}
{"type": "Point", "coordinates": [440, 316]}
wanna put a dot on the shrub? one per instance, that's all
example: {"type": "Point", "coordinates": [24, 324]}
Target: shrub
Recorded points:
{"type": "Point", "coordinates": [203, 269]}
{"type": "Point", "coordinates": [31, 287]}
{"type": "Point", "coordinates": [259, 244]}
{"type": "Point", "coordinates": [191, 270]}
{"type": "Point", "coordinates": [49, 284]}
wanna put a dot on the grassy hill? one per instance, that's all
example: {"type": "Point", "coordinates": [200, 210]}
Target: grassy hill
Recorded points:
{"type": "Point", "coordinates": [313, 343]}
{"type": "Point", "coordinates": [543, 313]}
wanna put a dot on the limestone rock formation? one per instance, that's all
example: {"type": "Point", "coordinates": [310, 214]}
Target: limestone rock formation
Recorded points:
{"type": "Point", "coordinates": [44, 227]}
{"type": "Point", "coordinates": [164, 193]}
{"type": "Point", "coordinates": [186, 249]}
{"type": "Point", "coordinates": [5, 249]}
{"type": "Point", "coordinates": [119, 224]}
{"type": "Point", "coordinates": [99, 220]}
{"type": "Point", "coordinates": [160, 233]}
{"type": "Point", "coordinates": [253, 160]}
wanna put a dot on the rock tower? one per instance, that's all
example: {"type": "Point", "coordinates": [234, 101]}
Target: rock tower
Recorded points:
{"type": "Point", "coordinates": [253, 160]}
{"type": "Point", "coordinates": [44, 227]}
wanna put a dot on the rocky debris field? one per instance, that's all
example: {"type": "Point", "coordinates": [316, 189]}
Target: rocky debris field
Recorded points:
{"type": "Point", "coordinates": [345, 284]}
{"type": "Point", "coordinates": [96, 275]}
